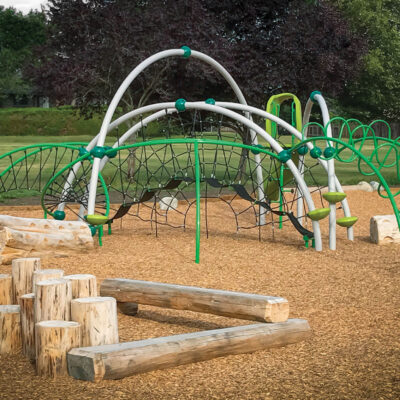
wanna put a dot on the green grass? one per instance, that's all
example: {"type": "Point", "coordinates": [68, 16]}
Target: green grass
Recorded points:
{"type": "Point", "coordinates": [347, 173]}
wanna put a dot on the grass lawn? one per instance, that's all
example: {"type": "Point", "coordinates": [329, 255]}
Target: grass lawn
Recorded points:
{"type": "Point", "coordinates": [158, 164]}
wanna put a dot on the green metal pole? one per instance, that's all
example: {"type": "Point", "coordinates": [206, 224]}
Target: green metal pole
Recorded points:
{"type": "Point", "coordinates": [197, 173]}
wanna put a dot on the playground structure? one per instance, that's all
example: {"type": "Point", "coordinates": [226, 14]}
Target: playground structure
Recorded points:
{"type": "Point", "coordinates": [216, 152]}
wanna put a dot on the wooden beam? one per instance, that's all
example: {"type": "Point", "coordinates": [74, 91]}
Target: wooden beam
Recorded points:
{"type": "Point", "coordinates": [121, 360]}
{"type": "Point", "coordinates": [229, 304]}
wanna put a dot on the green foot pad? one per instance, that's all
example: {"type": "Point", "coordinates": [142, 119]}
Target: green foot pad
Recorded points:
{"type": "Point", "coordinates": [334, 197]}
{"type": "Point", "coordinates": [347, 222]}
{"type": "Point", "coordinates": [318, 213]}
{"type": "Point", "coordinates": [96, 219]}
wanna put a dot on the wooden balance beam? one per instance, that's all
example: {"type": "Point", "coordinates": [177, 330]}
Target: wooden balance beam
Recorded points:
{"type": "Point", "coordinates": [117, 361]}
{"type": "Point", "coordinates": [228, 304]}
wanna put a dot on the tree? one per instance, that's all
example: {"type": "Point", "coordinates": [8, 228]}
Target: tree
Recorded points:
{"type": "Point", "coordinates": [18, 35]}
{"type": "Point", "coordinates": [268, 46]}
{"type": "Point", "coordinates": [377, 90]}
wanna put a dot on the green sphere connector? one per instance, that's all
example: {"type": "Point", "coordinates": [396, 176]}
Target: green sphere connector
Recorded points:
{"type": "Point", "coordinates": [111, 153]}
{"type": "Point", "coordinates": [210, 101]}
{"type": "Point", "coordinates": [98, 152]}
{"type": "Point", "coordinates": [302, 150]}
{"type": "Point", "coordinates": [93, 229]}
{"type": "Point", "coordinates": [284, 156]}
{"type": "Point", "coordinates": [255, 152]}
{"type": "Point", "coordinates": [316, 152]}
{"type": "Point", "coordinates": [186, 51]}
{"type": "Point", "coordinates": [82, 151]}
{"type": "Point", "coordinates": [59, 215]}
{"type": "Point", "coordinates": [313, 94]}
{"type": "Point", "coordinates": [329, 152]}
{"type": "Point", "coordinates": [180, 105]}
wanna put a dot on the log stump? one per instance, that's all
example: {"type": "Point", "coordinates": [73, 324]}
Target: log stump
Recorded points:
{"type": "Point", "coordinates": [83, 285]}
{"type": "Point", "coordinates": [26, 303]}
{"type": "Point", "coordinates": [6, 290]}
{"type": "Point", "coordinates": [10, 329]}
{"type": "Point", "coordinates": [98, 318]}
{"type": "Point", "coordinates": [53, 340]}
{"type": "Point", "coordinates": [46, 274]}
{"type": "Point", "coordinates": [22, 273]}
{"type": "Point", "coordinates": [53, 300]}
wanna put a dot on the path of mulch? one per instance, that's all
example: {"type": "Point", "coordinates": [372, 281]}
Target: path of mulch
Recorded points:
{"type": "Point", "coordinates": [351, 298]}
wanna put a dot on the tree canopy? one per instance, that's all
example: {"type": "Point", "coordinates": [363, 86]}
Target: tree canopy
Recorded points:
{"type": "Point", "coordinates": [18, 35]}
{"type": "Point", "coordinates": [268, 46]}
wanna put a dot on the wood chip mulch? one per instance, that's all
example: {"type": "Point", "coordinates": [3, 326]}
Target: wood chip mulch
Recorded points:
{"type": "Point", "coordinates": [351, 298]}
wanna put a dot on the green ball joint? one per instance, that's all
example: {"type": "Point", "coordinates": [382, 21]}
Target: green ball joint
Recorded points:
{"type": "Point", "coordinates": [313, 94]}
{"type": "Point", "coordinates": [59, 215]}
{"type": "Point", "coordinates": [186, 51]}
{"type": "Point", "coordinates": [302, 150]}
{"type": "Point", "coordinates": [82, 151]}
{"type": "Point", "coordinates": [180, 105]}
{"type": "Point", "coordinates": [259, 146]}
{"type": "Point", "coordinates": [316, 152]}
{"type": "Point", "coordinates": [98, 151]}
{"type": "Point", "coordinates": [111, 152]}
{"type": "Point", "coordinates": [284, 156]}
{"type": "Point", "coordinates": [210, 101]}
{"type": "Point", "coordinates": [329, 152]}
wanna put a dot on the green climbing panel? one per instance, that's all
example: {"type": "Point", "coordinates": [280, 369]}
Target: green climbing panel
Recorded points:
{"type": "Point", "coordinates": [318, 213]}
{"type": "Point", "coordinates": [334, 197]}
{"type": "Point", "coordinates": [347, 222]}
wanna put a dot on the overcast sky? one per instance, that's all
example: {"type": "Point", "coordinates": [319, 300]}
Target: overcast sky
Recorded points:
{"type": "Point", "coordinates": [23, 5]}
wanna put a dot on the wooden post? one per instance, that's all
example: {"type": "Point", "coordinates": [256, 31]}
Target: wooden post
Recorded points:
{"type": "Point", "coordinates": [6, 290]}
{"type": "Point", "coordinates": [98, 318]}
{"type": "Point", "coordinates": [26, 303]}
{"type": "Point", "coordinates": [83, 285]}
{"type": "Point", "coordinates": [22, 273]}
{"type": "Point", "coordinates": [10, 329]}
{"type": "Point", "coordinates": [125, 359]}
{"type": "Point", "coordinates": [53, 340]}
{"type": "Point", "coordinates": [53, 300]}
{"type": "Point", "coordinates": [220, 302]}
{"type": "Point", "coordinates": [46, 274]}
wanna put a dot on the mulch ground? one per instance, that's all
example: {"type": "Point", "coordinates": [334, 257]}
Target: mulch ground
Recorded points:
{"type": "Point", "coordinates": [351, 298]}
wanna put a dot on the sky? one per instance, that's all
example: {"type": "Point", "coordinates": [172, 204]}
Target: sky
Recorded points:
{"type": "Point", "coordinates": [23, 5]}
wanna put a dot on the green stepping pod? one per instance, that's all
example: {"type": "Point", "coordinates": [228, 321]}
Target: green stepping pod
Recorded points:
{"type": "Point", "coordinates": [96, 219]}
{"type": "Point", "coordinates": [318, 213]}
{"type": "Point", "coordinates": [347, 222]}
{"type": "Point", "coordinates": [334, 197]}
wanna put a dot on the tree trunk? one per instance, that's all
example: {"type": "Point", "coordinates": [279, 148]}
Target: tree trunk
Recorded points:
{"type": "Point", "coordinates": [10, 329]}
{"type": "Point", "coordinates": [26, 303]}
{"type": "Point", "coordinates": [22, 274]}
{"type": "Point", "coordinates": [98, 318]}
{"type": "Point", "coordinates": [44, 275]}
{"type": "Point", "coordinates": [53, 340]}
{"type": "Point", "coordinates": [83, 285]}
{"type": "Point", "coordinates": [53, 300]}
{"type": "Point", "coordinates": [6, 290]}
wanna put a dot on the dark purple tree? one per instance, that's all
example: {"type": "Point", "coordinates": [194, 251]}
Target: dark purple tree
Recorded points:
{"type": "Point", "coordinates": [268, 46]}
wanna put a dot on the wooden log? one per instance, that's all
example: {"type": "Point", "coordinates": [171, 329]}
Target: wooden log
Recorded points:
{"type": "Point", "coordinates": [98, 318]}
{"type": "Point", "coordinates": [43, 225]}
{"type": "Point", "coordinates": [26, 303]}
{"type": "Point", "coordinates": [6, 289]}
{"type": "Point", "coordinates": [10, 329]}
{"type": "Point", "coordinates": [46, 274]}
{"type": "Point", "coordinates": [53, 340]}
{"type": "Point", "coordinates": [36, 240]}
{"type": "Point", "coordinates": [22, 273]}
{"type": "Point", "coordinates": [125, 359]}
{"type": "Point", "coordinates": [53, 300]}
{"type": "Point", "coordinates": [384, 229]}
{"type": "Point", "coordinates": [83, 285]}
{"type": "Point", "coordinates": [229, 304]}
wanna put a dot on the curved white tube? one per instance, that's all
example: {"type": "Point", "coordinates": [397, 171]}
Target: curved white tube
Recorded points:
{"type": "Point", "coordinates": [338, 186]}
